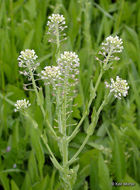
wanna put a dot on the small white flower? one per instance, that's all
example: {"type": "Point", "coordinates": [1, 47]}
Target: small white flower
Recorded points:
{"type": "Point", "coordinates": [113, 44]}
{"type": "Point", "coordinates": [27, 61]}
{"type": "Point", "coordinates": [109, 48]}
{"type": "Point", "coordinates": [119, 87]}
{"type": "Point", "coordinates": [56, 26]}
{"type": "Point", "coordinates": [69, 61]}
{"type": "Point", "coordinates": [69, 68]}
{"type": "Point", "coordinates": [69, 64]}
{"type": "Point", "coordinates": [22, 105]}
{"type": "Point", "coordinates": [56, 18]}
{"type": "Point", "coordinates": [51, 73]}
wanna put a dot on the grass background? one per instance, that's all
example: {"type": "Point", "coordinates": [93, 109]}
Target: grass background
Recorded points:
{"type": "Point", "coordinates": [113, 152]}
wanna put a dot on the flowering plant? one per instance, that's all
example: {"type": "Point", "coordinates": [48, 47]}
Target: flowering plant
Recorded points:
{"type": "Point", "coordinates": [63, 79]}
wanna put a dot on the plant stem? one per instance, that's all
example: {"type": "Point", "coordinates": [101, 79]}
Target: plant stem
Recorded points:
{"type": "Point", "coordinates": [94, 124]}
{"type": "Point", "coordinates": [58, 99]}
{"type": "Point", "coordinates": [87, 110]}
{"type": "Point", "coordinates": [57, 41]}
{"type": "Point", "coordinates": [62, 113]}
{"type": "Point", "coordinates": [90, 101]}
{"type": "Point", "coordinates": [40, 104]}
{"type": "Point", "coordinates": [6, 99]}
{"type": "Point", "coordinates": [79, 150]}
{"type": "Point", "coordinates": [107, 59]}
{"type": "Point", "coordinates": [36, 91]}
{"type": "Point", "coordinates": [103, 104]}
{"type": "Point", "coordinates": [51, 153]}
{"type": "Point", "coordinates": [65, 151]}
{"type": "Point", "coordinates": [64, 131]}
{"type": "Point", "coordinates": [95, 89]}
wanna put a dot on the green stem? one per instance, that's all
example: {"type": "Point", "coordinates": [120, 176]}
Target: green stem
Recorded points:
{"type": "Point", "coordinates": [58, 89]}
{"type": "Point", "coordinates": [95, 89]}
{"type": "Point", "coordinates": [40, 104]}
{"type": "Point", "coordinates": [58, 108]}
{"type": "Point", "coordinates": [51, 129]}
{"type": "Point", "coordinates": [65, 151]}
{"type": "Point", "coordinates": [56, 163]}
{"type": "Point", "coordinates": [62, 124]}
{"type": "Point", "coordinates": [87, 110]}
{"type": "Point", "coordinates": [57, 41]}
{"type": "Point", "coordinates": [91, 99]}
{"type": "Point", "coordinates": [36, 91]}
{"type": "Point", "coordinates": [79, 150]}
{"type": "Point", "coordinates": [94, 124]}
{"type": "Point", "coordinates": [64, 131]}
{"type": "Point", "coordinates": [6, 99]}
{"type": "Point", "coordinates": [107, 59]}
{"type": "Point", "coordinates": [103, 104]}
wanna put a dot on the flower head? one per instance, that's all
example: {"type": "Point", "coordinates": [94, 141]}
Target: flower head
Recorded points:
{"type": "Point", "coordinates": [69, 68]}
{"type": "Point", "coordinates": [56, 18]}
{"type": "Point", "coordinates": [51, 74]}
{"type": "Point", "coordinates": [118, 88]}
{"type": "Point", "coordinates": [113, 44]}
{"type": "Point", "coordinates": [69, 64]}
{"type": "Point", "coordinates": [21, 105]}
{"type": "Point", "coordinates": [56, 26]}
{"type": "Point", "coordinates": [109, 48]}
{"type": "Point", "coordinates": [27, 61]}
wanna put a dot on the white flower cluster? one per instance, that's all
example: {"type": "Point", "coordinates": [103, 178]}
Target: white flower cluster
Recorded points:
{"type": "Point", "coordinates": [109, 48]}
{"type": "Point", "coordinates": [69, 64]}
{"type": "Point", "coordinates": [118, 88]}
{"type": "Point", "coordinates": [56, 26]}
{"type": "Point", "coordinates": [113, 44]}
{"type": "Point", "coordinates": [27, 61]}
{"type": "Point", "coordinates": [22, 105]}
{"type": "Point", "coordinates": [56, 18]}
{"type": "Point", "coordinates": [51, 74]}
{"type": "Point", "coordinates": [64, 75]}
{"type": "Point", "coordinates": [69, 68]}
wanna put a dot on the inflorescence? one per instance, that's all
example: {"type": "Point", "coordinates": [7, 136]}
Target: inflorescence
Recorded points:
{"type": "Point", "coordinates": [119, 87]}
{"type": "Point", "coordinates": [21, 105]}
{"type": "Point", "coordinates": [109, 48]}
{"type": "Point", "coordinates": [56, 26]}
{"type": "Point", "coordinates": [69, 64]}
{"type": "Point", "coordinates": [27, 61]}
{"type": "Point", "coordinates": [64, 75]}
{"type": "Point", "coordinates": [112, 44]}
{"type": "Point", "coordinates": [51, 74]}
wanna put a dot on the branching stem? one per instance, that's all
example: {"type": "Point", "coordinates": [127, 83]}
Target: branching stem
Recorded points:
{"type": "Point", "coordinates": [40, 104]}
{"type": "Point", "coordinates": [88, 135]}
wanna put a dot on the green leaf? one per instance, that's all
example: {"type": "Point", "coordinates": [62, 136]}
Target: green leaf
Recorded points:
{"type": "Point", "coordinates": [36, 144]}
{"type": "Point", "coordinates": [28, 40]}
{"type": "Point", "coordinates": [32, 167]}
{"type": "Point", "coordinates": [118, 157]}
{"type": "Point", "coordinates": [43, 184]}
{"type": "Point", "coordinates": [27, 182]}
{"type": "Point", "coordinates": [5, 181]}
{"type": "Point", "coordinates": [14, 185]}
{"type": "Point", "coordinates": [94, 179]}
{"type": "Point", "coordinates": [128, 180]}
{"type": "Point", "coordinates": [104, 179]}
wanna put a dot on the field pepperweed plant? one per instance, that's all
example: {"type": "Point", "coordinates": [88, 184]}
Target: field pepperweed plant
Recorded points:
{"type": "Point", "coordinates": [63, 81]}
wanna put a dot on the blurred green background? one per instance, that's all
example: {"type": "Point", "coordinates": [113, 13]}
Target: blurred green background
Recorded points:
{"type": "Point", "coordinates": [113, 152]}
